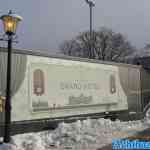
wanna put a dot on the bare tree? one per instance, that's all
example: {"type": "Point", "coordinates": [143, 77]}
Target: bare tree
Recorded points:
{"type": "Point", "coordinates": [106, 45]}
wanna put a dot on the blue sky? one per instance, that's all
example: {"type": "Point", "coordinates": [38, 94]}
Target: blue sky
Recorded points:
{"type": "Point", "coordinates": [47, 23]}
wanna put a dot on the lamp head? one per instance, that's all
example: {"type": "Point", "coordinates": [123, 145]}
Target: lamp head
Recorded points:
{"type": "Point", "coordinates": [91, 3]}
{"type": "Point", "coordinates": [10, 22]}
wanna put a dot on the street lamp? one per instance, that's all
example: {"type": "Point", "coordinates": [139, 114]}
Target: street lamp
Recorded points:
{"type": "Point", "coordinates": [10, 22]}
{"type": "Point", "coordinates": [91, 5]}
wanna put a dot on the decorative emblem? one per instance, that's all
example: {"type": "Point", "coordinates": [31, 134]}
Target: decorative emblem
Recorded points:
{"type": "Point", "coordinates": [112, 84]}
{"type": "Point", "coordinates": [38, 82]}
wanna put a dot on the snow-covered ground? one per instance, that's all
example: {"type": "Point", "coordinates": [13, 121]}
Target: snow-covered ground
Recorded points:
{"type": "Point", "coordinates": [89, 134]}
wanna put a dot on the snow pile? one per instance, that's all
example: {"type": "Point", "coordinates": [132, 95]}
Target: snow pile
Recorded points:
{"type": "Point", "coordinates": [89, 134]}
{"type": "Point", "coordinates": [8, 147]}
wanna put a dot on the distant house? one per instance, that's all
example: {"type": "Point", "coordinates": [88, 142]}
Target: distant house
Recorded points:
{"type": "Point", "coordinates": [144, 61]}
{"type": "Point", "coordinates": [141, 57]}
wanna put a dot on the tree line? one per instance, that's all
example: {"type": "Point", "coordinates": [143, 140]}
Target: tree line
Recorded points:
{"type": "Point", "coordinates": [105, 43]}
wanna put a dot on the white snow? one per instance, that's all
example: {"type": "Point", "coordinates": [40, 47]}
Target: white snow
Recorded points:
{"type": "Point", "coordinates": [89, 134]}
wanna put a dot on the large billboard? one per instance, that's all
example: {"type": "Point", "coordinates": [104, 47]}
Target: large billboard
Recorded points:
{"type": "Point", "coordinates": [62, 84]}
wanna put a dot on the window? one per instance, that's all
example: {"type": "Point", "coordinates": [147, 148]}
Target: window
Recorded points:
{"type": "Point", "coordinates": [38, 82]}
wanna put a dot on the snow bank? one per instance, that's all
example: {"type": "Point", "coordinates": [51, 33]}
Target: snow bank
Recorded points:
{"type": "Point", "coordinates": [8, 147]}
{"type": "Point", "coordinates": [89, 134]}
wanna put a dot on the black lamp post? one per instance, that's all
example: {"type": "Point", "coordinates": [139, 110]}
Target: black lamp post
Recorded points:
{"type": "Point", "coordinates": [91, 5]}
{"type": "Point", "coordinates": [10, 22]}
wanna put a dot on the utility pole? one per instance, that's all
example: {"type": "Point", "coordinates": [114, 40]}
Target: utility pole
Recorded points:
{"type": "Point", "coordinates": [91, 5]}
